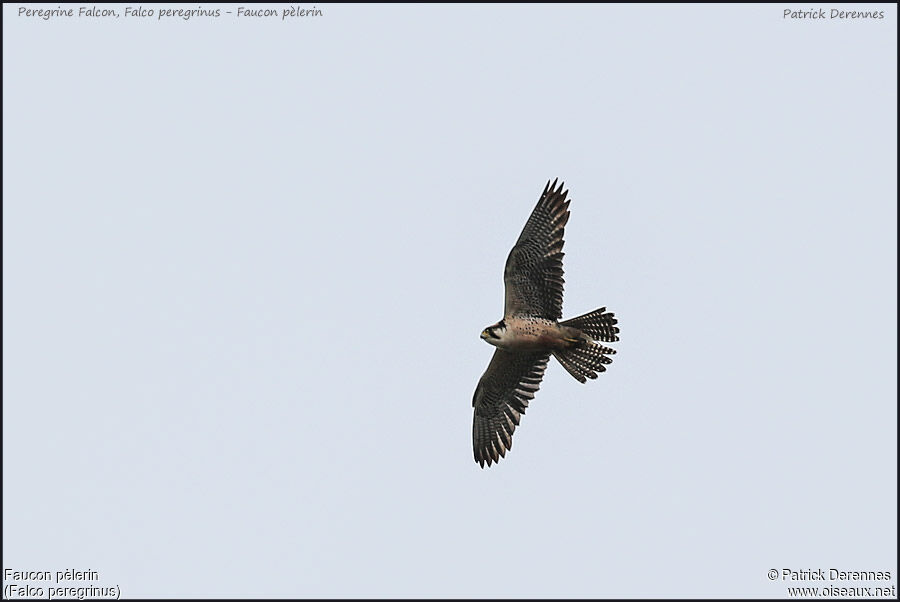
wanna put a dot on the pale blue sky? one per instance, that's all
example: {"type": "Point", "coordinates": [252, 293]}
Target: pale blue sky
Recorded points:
{"type": "Point", "coordinates": [246, 264]}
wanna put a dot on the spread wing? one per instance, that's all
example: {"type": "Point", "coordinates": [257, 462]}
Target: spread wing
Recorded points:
{"type": "Point", "coordinates": [534, 272]}
{"type": "Point", "coordinates": [500, 399]}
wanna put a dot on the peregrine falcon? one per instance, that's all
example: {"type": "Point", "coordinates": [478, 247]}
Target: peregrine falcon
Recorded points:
{"type": "Point", "coordinates": [530, 331]}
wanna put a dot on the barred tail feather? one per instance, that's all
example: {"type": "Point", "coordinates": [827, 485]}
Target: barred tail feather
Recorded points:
{"type": "Point", "coordinates": [585, 360]}
{"type": "Point", "coordinates": [597, 325]}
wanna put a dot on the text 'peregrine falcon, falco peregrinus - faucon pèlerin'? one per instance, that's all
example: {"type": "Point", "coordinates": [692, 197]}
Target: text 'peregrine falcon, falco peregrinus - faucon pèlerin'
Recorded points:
{"type": "Point", "coordinates": [530, 331]}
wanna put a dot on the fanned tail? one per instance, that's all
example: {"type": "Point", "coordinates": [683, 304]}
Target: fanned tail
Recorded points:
{"type": "Point", "coordinates": [587, 357]}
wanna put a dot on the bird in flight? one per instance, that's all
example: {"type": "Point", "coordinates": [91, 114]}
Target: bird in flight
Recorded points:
{"type": "Point", "coordinates": [530, 331]}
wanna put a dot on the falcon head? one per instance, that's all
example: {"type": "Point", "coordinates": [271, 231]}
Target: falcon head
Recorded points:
{"type": "Point", "coordinates": [493, 334]}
